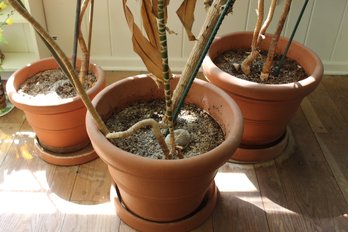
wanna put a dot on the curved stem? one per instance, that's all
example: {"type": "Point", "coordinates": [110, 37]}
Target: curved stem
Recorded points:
{"type": "Point", "coordinates": [144, 123]}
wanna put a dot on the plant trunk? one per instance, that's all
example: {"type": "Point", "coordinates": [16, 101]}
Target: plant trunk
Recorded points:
{"type": "Point", "coordinates": [167, 93]}
{"type": "Point", "coordinates": [254, 53]}
{"type": "Point", "coordinates": [268, 20]}
{"type": "Point", "coordinates": [271, 51]}
{"type": "Point", "coordinates": [200, 43]}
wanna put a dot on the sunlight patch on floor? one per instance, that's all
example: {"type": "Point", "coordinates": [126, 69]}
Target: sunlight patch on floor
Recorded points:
{"type": "Point", "coordinates": [24, 202]}
{"type": "Point", "coordinates": [234, 182]}
{"type": "Point", "coordinates": [24, 192]}
{"type": "Point", "coordinates": [23, 180]}
{"type": "Point", "coordinates": [272, 207]}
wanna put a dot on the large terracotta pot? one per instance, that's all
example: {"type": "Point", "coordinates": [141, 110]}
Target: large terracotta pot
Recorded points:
{"type": "Point", "coordinates": [164, 195]}
{"type": "Point", "coordinates": [59, 125]}
{"type": "Point", "coordinates": [266, 108]}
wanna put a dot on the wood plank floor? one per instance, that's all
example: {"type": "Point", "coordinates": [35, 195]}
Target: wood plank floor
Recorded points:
{"type": "Point", "coordinates": [306, 189]}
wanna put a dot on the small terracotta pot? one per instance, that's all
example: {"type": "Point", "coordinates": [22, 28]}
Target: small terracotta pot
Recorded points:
{"type": "Point", "coordinates": [266, 108]}
{"type": "Point", "coordinates": [59, 125]}
{"type": "Point", "coordinates": [164, 193]}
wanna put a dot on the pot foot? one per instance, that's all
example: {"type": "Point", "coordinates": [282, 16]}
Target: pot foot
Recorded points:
{"type": "Point", "coordinates": [256, 154]}
{"type": "Point", "coordinates": [186, 224]}
{"type": "Point", "coordinates": [81, 156]}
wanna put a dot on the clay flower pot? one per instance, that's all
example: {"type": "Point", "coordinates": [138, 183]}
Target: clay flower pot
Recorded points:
{"type": "Point", "coordinates": [266, 108]}
{"type": "Point", "coordinates": [165, 195]}
{"type": "Point", "coordinates": [59, 125]}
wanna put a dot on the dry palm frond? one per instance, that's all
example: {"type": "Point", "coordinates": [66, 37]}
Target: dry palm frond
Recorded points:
{"type": "Point", "coordinates": [186, 16]}
{"type": "Point", "coordinates": [147, 48]}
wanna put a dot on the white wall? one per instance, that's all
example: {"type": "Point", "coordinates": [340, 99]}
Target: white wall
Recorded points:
{"type": "Point", "coordinates": [324, 28]}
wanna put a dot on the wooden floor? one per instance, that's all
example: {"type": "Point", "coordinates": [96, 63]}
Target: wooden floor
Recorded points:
{"type": "Point", "coordinates": [306, 189]}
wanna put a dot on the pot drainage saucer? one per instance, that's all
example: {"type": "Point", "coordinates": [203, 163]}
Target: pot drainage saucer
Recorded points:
{"type": "Point", "coordinates": [186, 224]}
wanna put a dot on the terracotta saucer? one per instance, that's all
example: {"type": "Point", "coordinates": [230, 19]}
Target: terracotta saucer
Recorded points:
{"type": "Point", "coordinates": [258, 154]}
{"type": "Point", "coordinates": [185, 224]}
{"type": "Point", "coordinates": [81, 156]}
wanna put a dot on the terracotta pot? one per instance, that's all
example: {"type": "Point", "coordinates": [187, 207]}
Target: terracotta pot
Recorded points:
{"type": "Point", "coordinates": [160, 195]}
{"type": "Point", "coordinates": [266, 108]}
{"type": "Point", "coordinates": [59, 125]}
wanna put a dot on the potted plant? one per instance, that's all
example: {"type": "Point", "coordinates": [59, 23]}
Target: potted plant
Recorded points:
{"type": "Point", "coordinates": [267, 105]}
{"type": "Point", "coordinates": [165, 194]}
{"type": "Point", "coordinates": [59, 123]}
{"type": "Point", "coordinates": [176, 193]}
{"type": "Point", "coordinates": [5, 105]}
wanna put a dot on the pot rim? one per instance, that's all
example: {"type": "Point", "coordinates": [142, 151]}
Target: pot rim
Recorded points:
{"type": "Point", "coordinates": [167, 165]}
{"type": "Point", "coordinates": [240, 85]}
{"type": "Point", "coordinates": [21, 100]}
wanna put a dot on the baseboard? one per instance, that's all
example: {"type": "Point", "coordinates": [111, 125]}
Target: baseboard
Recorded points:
{"type": "Point", "coordinates": [177, 64]}
{"type": "Point", "coordinates": [335, 68]}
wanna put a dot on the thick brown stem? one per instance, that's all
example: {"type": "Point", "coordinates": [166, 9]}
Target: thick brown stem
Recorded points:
{"type": "Point", "coordinates": [254, 53]}
{"type": "Point", "coordinates": [90, 27]}
{"type": "Point", "coordinates": [272, 48]}
{"type": "Point", "coordinates": [206, 30]}
{"type": "Point", "coordinates": [85, 55]}
{"type": "Point", "coordinates": [268, 20]}
{"type": "Point", "coordinates": [142, 124]}
{"type": "Point", "coordinates": [83, 46]}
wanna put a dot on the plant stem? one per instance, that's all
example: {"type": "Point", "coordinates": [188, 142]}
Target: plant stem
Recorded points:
{"type": "Point", "coordinates": [271, 51]}
{"type": "Point", "coordinates": [62, 59]}
{"type": "Point", "coordinates": [195, 58]}
{"type": "Point", "coordinates": [144, 123]}
{"type": "Point", "coordinates": [268, 20]}
{"type": "Point", "coordinates": [280, 64]}
{"type": "Point", "coordinates": [167, 93]}
{"type": "Point", "coordinates": [76, 32]}
{"type": "Point", "coordinates": [84, 49]}
{"type": "Point", "coordinates": [254, 53]}
{"type": "Point", "coordinates": [90, 27]}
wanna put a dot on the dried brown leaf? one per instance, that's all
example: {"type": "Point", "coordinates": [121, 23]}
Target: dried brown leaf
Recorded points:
{"type": "Point", "coordinates": [148, 51]}
{"type": "Point", "coordinates": [186, 16]}
{"type": "Point", "coordinates": [150, 23]}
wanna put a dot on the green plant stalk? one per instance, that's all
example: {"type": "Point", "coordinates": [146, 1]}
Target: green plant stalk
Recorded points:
{"type": "Point", "coordinates": [167, 93]}
{"type": "Point", "coordinates": [63, 60]}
